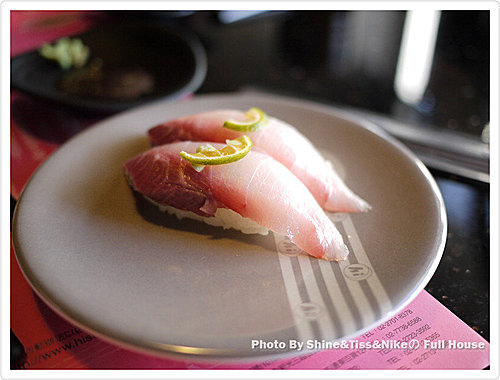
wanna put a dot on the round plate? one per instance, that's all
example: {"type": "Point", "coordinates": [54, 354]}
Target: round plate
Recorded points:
{"type": "Point", "coordinates": [111, 264]}
{"type": "Point", "coordinates": [174, 57]}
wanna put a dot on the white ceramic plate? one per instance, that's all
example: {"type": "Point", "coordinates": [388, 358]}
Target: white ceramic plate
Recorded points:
{"type": "Point", "coordinates": [111, 265]}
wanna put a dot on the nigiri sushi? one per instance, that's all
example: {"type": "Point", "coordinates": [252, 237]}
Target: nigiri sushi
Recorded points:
{"type": "Point", "coordinates": [279, 140]}
{"type": "Point", "coordinates": [256, 189]}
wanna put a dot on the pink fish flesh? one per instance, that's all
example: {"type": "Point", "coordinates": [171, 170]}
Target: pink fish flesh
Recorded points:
{"type": "Point", "coordinates": [279, 140]}
{"type": "Point", "coordinates": [256, 187]}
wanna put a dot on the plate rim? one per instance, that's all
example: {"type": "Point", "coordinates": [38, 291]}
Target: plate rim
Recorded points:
{"type": "Point", "coordinates": [205, 354]}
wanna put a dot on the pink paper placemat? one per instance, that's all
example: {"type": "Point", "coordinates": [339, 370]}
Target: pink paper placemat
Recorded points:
{"type": "Point", "coordinates": [30, 29]}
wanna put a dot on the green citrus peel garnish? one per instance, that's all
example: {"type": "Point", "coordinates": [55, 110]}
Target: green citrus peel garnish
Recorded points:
{"type": "Point", "coordinates": [209, 155]}
{"type": "Point", "coordinates": [255, 119]}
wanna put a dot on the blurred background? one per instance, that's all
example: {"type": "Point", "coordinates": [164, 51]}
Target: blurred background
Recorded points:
{"type": "Point", "coordinates": [429, 67]}
{"type": "Point", "coordinates": [423, 75]}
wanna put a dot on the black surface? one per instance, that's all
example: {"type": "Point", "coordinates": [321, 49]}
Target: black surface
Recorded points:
{"type": "Point", "coordinates": [172, 56]}
{"type": "Point", "coordinates": [17, 352]}
{"type": "Point", "coordinates": [461, 281]}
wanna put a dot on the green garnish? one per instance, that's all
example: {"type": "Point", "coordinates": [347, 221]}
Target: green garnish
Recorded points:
{"type": "Point", "coordinates": [209, 155]}
{"type": "Point", "coordinates": [68, 52]}
{"type": "Point", "coordinates": [255, 119]}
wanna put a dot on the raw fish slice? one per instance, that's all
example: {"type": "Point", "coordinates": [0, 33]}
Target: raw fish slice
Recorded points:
{"type": "Point", "coordinates": [257, 187]}
{"type": "Point", "coordinates": [279, 140]}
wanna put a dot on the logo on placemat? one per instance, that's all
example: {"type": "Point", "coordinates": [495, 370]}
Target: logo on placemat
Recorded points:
{"type": "Point", "coordinates": [357, 272]}
{"type": "Point", "coordinates": [286, 247]}
{"type": "Point", "coordinates": [308, 310]}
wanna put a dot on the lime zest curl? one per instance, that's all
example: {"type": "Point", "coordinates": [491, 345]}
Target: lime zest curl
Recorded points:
{"type": "Point", "coordinates": [255, 120]}
{"type": "Point", "coordinates": [233, 151]}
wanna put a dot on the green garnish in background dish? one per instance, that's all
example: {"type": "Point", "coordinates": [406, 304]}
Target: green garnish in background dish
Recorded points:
{"type": "Point", "coordinates": [68, 52]}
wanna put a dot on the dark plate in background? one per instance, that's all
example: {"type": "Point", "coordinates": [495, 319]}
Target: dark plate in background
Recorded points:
{"type": "Point", "coordinates": [174, 57]}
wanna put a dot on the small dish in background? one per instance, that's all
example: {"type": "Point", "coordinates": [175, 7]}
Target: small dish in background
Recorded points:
{"type": "Point", "coordinates": [129, 65]}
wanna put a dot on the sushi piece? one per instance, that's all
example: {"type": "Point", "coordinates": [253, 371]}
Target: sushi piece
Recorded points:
{"type": "Point", "coordinates": [255, 192]}
{"type": "Point", "coordinates": [279, 140]}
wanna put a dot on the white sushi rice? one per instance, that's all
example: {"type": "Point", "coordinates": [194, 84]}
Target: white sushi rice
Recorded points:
{"type": "Point", "coordinates": [223, 217]}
